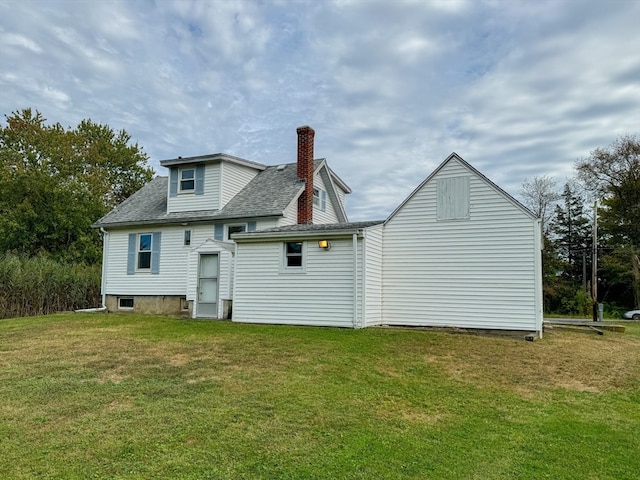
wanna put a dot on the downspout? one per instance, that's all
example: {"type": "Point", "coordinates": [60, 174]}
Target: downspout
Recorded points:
{"type": "Point", "coordinates": [363, 309]}
{"type": "Point", "coordinates": [105, 247]}
{"type": "Point", "coordinates": [355, 280]}
{"type": "Point", "coordinates": [539, 301]}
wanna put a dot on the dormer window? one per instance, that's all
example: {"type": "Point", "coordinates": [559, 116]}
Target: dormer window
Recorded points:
{"type": "Point", "coordinates": [187, 180]}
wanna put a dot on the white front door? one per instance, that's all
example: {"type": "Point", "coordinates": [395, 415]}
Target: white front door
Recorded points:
{"type": "Point", "coordinates": [208, 286]}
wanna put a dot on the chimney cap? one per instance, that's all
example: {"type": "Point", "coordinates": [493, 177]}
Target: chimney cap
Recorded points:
{"type": "Point", "coordinates": [305, 128]}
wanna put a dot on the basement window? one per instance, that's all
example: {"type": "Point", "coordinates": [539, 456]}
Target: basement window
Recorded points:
{"type": "Point", "coordinates": [125, 303]}
{"type": "Point", "coordinates": [184, 304]}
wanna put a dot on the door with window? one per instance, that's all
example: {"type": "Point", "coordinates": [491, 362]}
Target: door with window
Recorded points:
{"type": "Point", "coordinates": [208, 273]}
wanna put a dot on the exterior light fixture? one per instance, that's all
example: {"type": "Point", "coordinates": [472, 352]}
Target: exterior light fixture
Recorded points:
{"type": "Point", "coordinates": [324, 244]}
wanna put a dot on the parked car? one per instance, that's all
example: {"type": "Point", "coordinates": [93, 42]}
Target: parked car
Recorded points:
{"type": "Point", "coordinates": [632, 314]}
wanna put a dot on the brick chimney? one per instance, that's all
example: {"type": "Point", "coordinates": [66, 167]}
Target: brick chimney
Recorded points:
{"type": "Point", "coordinates": [305, 173]}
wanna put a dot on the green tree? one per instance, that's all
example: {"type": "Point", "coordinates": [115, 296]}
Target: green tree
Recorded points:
{"type": "Point", "coordinates": [613, 174]}
{"type": "Point", "coordinates": [55, 182]}
{"type": "Point", "coordinates": [571, 230]}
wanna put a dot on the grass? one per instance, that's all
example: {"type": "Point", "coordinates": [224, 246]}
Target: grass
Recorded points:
{"type": "Point", "coordinates": [127, 396]}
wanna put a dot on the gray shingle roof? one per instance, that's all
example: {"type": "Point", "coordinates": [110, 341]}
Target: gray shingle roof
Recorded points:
{"type": "Point", "coordinates": [334, 228]}
{"type": "Point", "coordinates": [320, 227]}
{"type": "Point", "coordinates": [268, 194]}
{"type": "Point", "coordinates": [150, 202]}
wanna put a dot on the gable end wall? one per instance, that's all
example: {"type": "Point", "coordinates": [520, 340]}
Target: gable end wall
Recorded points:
{"type": "Point", "coordinates": [475, 273]}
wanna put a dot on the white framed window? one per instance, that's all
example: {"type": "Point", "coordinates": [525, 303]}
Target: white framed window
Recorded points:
{"type": "Point", "coordinates": [143, 253]}
{"type": "Point", "coordinates": [187, 180]}
{"type": "Point", "coordinates": [319, 198]}
{"type": "Point", "coordinates": [145, 243]}
{"type": "Point", "coordinates": [125, 303]}
{"type": "Point", "coordinates": [238, 228]}
{"type": "Point", "coordinates": [293, 257]}
{"type": "Point", "coordinates": [187, 238]}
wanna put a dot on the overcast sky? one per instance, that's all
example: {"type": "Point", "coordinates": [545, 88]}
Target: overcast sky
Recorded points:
{"type": "Point", "coordinates": [517, 88]}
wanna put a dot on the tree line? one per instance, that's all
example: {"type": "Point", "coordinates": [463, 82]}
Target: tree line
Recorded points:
{"type": "Point", "coordinates": [55, 182]}
{"type": "Point", "coordinates": [605, 191]}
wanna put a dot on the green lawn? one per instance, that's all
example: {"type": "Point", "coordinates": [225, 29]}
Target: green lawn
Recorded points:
{"type": "Point", "coordinates": [124, 396]}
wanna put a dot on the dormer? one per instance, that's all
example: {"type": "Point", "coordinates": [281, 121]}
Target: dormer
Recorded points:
{"type": "Point", "coordinates": [206, 182]}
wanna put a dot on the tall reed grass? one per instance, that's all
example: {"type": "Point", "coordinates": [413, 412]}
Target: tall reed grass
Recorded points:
{"type": "Point", "coordinates": [40, 285]}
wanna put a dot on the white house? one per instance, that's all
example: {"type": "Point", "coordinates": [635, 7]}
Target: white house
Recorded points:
{"type": "Point", "coordinates": [168, 248]}
{"type": "Point", "coordinates": [459, 251]}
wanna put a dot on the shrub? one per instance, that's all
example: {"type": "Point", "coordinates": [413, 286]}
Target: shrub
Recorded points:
{"type": "Point", "coordinates": [40, 285]}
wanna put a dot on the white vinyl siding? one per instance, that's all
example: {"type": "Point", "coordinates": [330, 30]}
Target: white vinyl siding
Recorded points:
{"type": "Point", "coordinates": [172, 276]}
{"type": "Point", "coordinates": [373, 276]}
{"type": "Point", "coordinates": [189, 201]}
{"type": "Point", "coordinates": [234, 178]}
{"type": "Point", "coordinates": [323, 295]}
{"type": "Point", "coordinates": [478, 273]}
{"type": "Point", "coordinates": [290, 216]}
{"type": "Point", "coordinates": [328, 215]}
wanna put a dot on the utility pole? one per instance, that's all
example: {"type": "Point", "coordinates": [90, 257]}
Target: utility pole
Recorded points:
{"type": "Point", "coordinates": [584, 271]}
{"type": "Point", "coordinates": [594, 267]}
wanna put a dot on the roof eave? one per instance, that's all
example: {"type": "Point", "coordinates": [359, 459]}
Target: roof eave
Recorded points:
{"type": "Point", "coordinates": [215, 157]}
{"type": "Point", "coordinates": [294, 234]}
{"type": "Point", "coordinates": [336, 178]}
{"type": "Point", "coordinates": [182, 221]}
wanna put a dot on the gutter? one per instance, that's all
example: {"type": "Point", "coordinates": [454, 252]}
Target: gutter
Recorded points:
{"type": "Point", "coordinates": [355, 279]}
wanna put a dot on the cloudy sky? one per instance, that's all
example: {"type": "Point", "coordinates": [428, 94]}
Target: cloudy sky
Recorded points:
{"type": "Point", "coordinates": [517, 88]}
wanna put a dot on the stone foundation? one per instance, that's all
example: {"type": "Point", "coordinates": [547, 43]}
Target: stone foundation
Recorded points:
{"type": "Point", "coordinates": [150, 304]}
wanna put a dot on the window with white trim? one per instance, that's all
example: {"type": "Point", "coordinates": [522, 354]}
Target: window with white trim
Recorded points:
{"type": "Point", "coordinates": [187, 180]}
{"type": "Point", "coordinates": [293, 253]}
{"type": "Point", "coordinates": [143, 253]}
{"type": "Point", "coordinates": [145, 241]}
{"type": "Point", "coordinates": [187, 238]}
{"type": "Point", "coordinates": [319, 198]}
